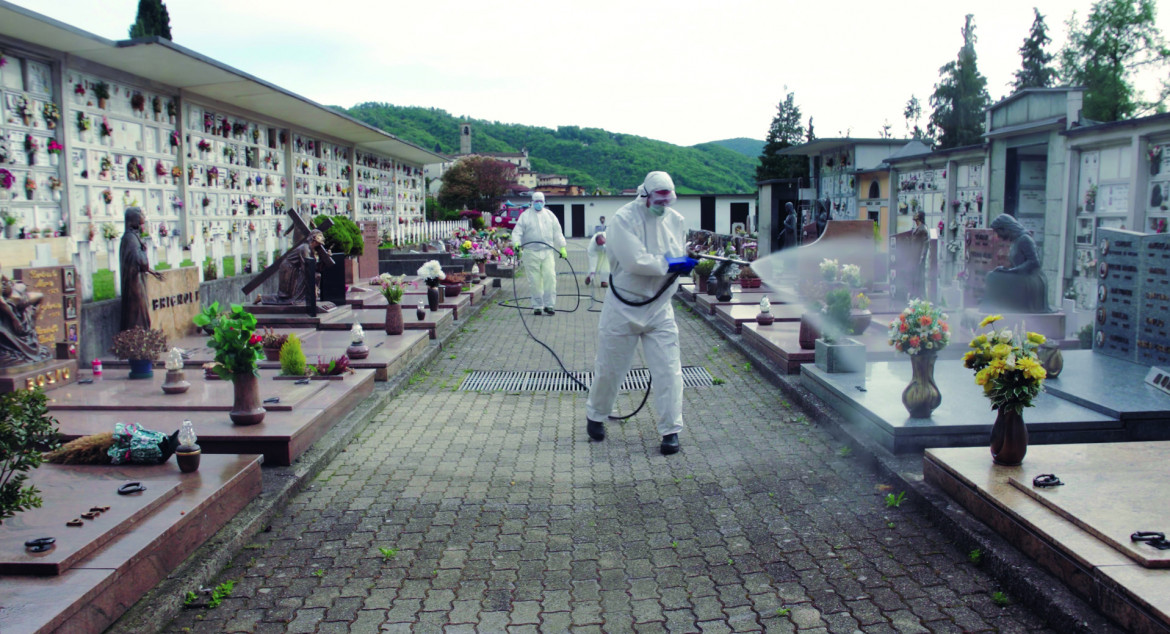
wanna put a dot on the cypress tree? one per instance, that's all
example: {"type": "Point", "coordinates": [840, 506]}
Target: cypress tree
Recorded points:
{"type": "Point", "coordinates": [152, 19]}
{"type": "Point", "coordinates": [960, 97]}
{"type": "Point", "coordinates": [785, 131]}
{"type": "Point", "coordinates": [1035, 71]}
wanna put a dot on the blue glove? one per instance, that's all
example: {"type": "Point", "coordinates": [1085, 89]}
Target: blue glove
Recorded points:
{"type": "Point", "coordinates": [681, 265]}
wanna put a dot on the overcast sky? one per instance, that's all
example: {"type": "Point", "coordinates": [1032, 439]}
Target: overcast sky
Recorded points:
{"type": "Point", "coordinates": [683, 72]}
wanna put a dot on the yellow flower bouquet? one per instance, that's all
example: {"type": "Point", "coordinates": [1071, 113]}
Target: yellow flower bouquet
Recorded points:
{"type": "Point", "coordinates": [1006, 366]}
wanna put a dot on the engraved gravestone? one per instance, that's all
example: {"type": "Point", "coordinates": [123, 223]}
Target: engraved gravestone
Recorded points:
{"type": "Point", "coordinates": [1153, 328]}
{"type": "Point", "coordinates": [58, 310]}
{"type": "Point", "coordinates": [1133, 296]}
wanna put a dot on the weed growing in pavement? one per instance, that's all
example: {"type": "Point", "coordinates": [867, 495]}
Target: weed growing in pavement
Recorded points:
{"type": "Point", "coordinates": [975, 556]}
{"type": "Point", "coordinates": [889, 524]}
{"type": "Point", "coordinates": [189, 598]}
{"type": "Point", "coordinates": [320, 572]}
{"type": "Point", "coordinates": [845, 451]}
{"type": "Point", "coordinates": [221, 592]}
{"type": "Point", "coordinates": [717, 381]}
{"type": "Point", "coordinates": [895, 501]}
{"type": "Point", "coordinates": [388, 553]}
{"type": "Point", "coordinates": [783, 611]}
{"type": "Point", "coordinates": [1000, 598]}
{"type": "Point", "coordinates": [674, 544]}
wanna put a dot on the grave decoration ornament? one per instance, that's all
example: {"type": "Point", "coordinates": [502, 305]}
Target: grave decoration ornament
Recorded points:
{"type": "Point", "coordinates": [357, 342]}
{"type": "Point", "coordinates": [1011, 375]}
{"type": "Point", "coordinates": [432, 273]}
{"type": "Point", "coordinates": [176, 380]}
{"type": "Point", "coordinates": [19, 342]}
{"type": "Point", "coordinates": [921, 331]}
{"type": "Point", "coordinates": [237, 350]}
{"type": "Point", "coordinates": [140, 346]}
{"type": "Point", "coordinates": [296, 265]}
{"type": "Point", "coordinates": [188, 452]}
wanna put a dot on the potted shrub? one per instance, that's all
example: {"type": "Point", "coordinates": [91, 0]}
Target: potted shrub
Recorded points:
{"type": "Point", "coordinates": [702, 272]}
{"type": "Point", "coordinates": [342, 239]}
{"type": "Point", "coordinates": [292, 358]}
{"type": "Point", "coordinates": [9, 225]}
{"type": "Point", "coordinates": [272, 342]}
{"type": "Point", "coordinates": [454, 282]}
{"type": "Point", "coordinates": [237, 349]}
{"type": "Point", "coordinates": [140, 347]}
{"type": "Point", "coordinates": [748, 278]}
{"type": "Point", "coordinates": [26, 429]}
{"type": "Point", "coordinates": [833, 352]}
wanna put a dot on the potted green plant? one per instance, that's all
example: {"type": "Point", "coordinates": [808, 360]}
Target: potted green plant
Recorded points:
{"type": "Point", "coordinates": [748, 278]}
{"type": "Point", "coordinates": [702, 272]}
{"type": "Point", "coordinates": [140, 347]}
{"type": "Point", "coordinates": [453, 284]}
{"type": "Point", "coordinates": [344, 241]}
{"type": "Point", "coordinates": [9, 225]}
{"type": "Point", "coordinates": [292, 358]}
{"type": "Point", "coordinates": [101, 90]}
{"type": "Point", "coordinates": [237, 349]}
{"type": "Point", "coordinates": [833, 351]}
{"type": "Point", "coordinates": [26, 430]}
{"type": "Point", "coordinates": [272, 342]}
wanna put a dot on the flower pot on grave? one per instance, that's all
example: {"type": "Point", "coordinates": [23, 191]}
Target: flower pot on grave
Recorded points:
{"type": "Point", "coordinates": [141, 368]}
{"type": "Point", "coordinates": [1009, 438]}
{"type": "Point", "coordinates": [54, 159]}
{"type": "Point", "coordinates": [765, 319]}
{"type": "Point", "coordinates": [359, 350]}
{"type": "Point", "coordinates": [1051, 359]}
{"type": "Point", "coordinates": [701, 284]}
{"type": "Point", "coordinates": [188, 458]}
{"type": "Point", "coordinates": [859, 320]}
{"type": "Point", "coordinates": [921, 396]}
{"type": "Point", "coordinates": [712, 284]}
{"type": "Point", "coordinates": [749, 282]}
{"type": "Point", "coordinates": [10, 232]}
{"type": "Point", "coordinates": [394, 325]}
{"type": "Point", "coordinates": [1155, 167]}
{"type": "Point", "coordinates": [246, 409]}
{"type": "Point", "coordinates": [482, 266]}
{"type": "Point", "coordinates": [809, 332]}
{"type": "Point", "coordinates": [272, 354]}
{"type": "Point", "coordinates": [452, 290]}
{"type": "Point", "coordinates": [843, 355]}
{"type": "Point", "coordinates": [433, 294]}
{"type": "Point", "coordinates": [176, 382]}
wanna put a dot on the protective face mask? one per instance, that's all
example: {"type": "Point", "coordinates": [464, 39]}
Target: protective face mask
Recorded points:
{"type": "Point", "coordinates": [538, 206]}
{"type": "Point", "coordinates": [657, 210]}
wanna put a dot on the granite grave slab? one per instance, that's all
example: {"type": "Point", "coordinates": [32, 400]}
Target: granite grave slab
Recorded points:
{"type": "Point", "coordinates": [115, 391]}
{"type": "Point", "coordinates": [389, 354]}
{"type": "Point", "coordinates": [871, 401]}
{"type": "Point", "coordinates": [1123, 589]}
{"type": "Point", "coordinates": [92, 594]}
{"type": "Point", "coordinates": [736, 315]}
{"type": "Point", "coordinates": [1114, 387]}
{"type": "Point", "coordinates": [435, 323]}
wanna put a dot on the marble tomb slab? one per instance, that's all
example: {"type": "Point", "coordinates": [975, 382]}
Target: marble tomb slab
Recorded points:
{"type": "Point", "coordinates": [460, 302]}
{"type": "Point", "coordinates": [281, 437]}
{"type": "Point", "coordinates": [736, 315]}
{"type": "Point", "coordinates": [779, 343]}
{"type": "Point", "coordinates": [65, 497]}
{"type": "Point", "coordinates": [1112, 386]}
{"type": "Point", "coordinates": [300, 319]}
{"type": "Point", "coordinates": [196, 352]}
{"type": "Point", "coordinates": [115, 391]}
{"type": "Point", "coordinates": [90, 596]}
{"type": "Point", "coordinates": [435, 323]}
{"type": "Point", "coordinates": [388, 353]}
{"type": "Point", "coordinates": [707, 303]}
{"type": "Point", "coordinates": [1126, 591]}
{"type": "Point", "coordinates": [872, 401]}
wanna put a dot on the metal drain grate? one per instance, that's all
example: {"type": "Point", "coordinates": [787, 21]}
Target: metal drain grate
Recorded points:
{"type": "Point", "coordinates": [551, 381]}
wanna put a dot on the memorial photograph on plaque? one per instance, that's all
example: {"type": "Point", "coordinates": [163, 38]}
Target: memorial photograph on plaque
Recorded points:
{"type": "Point", "coordinates": [68, 280]}
{"type": "Point", "coordinates": [70, 306]}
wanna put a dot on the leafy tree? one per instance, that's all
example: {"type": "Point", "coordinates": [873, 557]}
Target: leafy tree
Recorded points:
{"type": "Point", "coordinates": [1119, 39]}
{"type": "Point", "coordinates": [1035, 71]}
{"type": "Point", "coordinates": [476, 182]}
{"type": "Point", "coordinates": [960, 97]}
{"type": "Point", "coordinates": [152, 19]}
{"type": "Point", "coordinates": [26, 428]}
{"type": "Point", "coordinates": [912, 113]}
{"type": "Point", "coordinates": [785, 131]}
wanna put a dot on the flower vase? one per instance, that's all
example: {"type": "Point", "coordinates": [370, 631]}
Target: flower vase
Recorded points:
{"type": "Point", "coordinates": [1155, 167]}
{"type": "Point", "coordinates": [433, 293]}
{"type": "Point", "coordinates": [921, 396]}
{"type": "Point", "coordinates": [394, 325]}
{"type": "Point", "coordinates": [1009, 438]}
{"type": "Point", "coordinates": [420, 313]}
{"type": "Point", "coordinates": [272, 354]}
{"type": "Point", "coordinates": [246, 409]}
{"type": "Point", "coordinates": [1051, 360]}
{"type": "Point", "coordinates": [712, 284]}
{"type": "Point", "coordinates": [482, 266]}
{"type": "Point", "coordinates": [809, 332]}
{"type": "Point", "coordinates": [54, 159]}
{"type": "Point", "coordinates": [701, 283]}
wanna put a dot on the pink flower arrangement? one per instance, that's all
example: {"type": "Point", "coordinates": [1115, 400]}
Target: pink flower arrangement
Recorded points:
{"type": "Point", "coordinates": [55, 148]}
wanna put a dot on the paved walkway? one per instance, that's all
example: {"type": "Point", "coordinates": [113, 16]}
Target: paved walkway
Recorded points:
{"type": "Point", "coordinates": [493, 512]}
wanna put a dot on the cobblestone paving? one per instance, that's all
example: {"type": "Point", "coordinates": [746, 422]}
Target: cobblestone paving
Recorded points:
{"type": "Point", "coordinates": [493, 512]}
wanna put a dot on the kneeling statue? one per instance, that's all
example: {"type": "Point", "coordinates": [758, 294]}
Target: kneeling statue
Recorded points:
{"type": "Point", "coordinates": [1020, 288]}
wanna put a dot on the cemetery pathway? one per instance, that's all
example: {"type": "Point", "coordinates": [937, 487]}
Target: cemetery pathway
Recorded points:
{"type": "Point", "coordinates": [493, 512]}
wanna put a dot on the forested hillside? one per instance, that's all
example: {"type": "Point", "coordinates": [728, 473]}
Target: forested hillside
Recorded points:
{"type": "Point", "coordinates": [751, 148]}
{"type": "Point", "coordinates": [590, 157]}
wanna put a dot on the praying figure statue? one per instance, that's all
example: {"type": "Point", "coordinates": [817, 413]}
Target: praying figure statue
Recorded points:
{"type": "Point", "coordinates": [294, 285]}
{"type": "Point", "coordinates": [919, 250]}
{"type": "Point", "coordinates": [19, 343]}
{"type": "Point", "coordinates": [135, 267]}
{"type": "Point", "coordinates": [1021, 287]}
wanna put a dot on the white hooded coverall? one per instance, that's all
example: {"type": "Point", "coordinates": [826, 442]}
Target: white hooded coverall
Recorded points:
{"type": "Point", "coordinates": [637, 244]}
{"type": "Point", "coordinates": [539, 260]}
{"type": "Point", "coordinates": [598, 262]}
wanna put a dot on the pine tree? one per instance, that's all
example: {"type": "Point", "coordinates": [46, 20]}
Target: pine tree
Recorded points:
{"type": "Point", "coordinates": [152, 19]}
{"type": "Point", "coordinates": [786, 131]}
{"type": "Point", "coordinates": [1119, 38]}
{"type": "Point", "coordinates": [912, 113]}
{"type": "Point", "coordinates": [960, 97]}
{"type": "Point", "coordinates": [1035, 71]}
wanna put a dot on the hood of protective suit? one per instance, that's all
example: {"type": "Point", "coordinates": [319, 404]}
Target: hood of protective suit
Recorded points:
{"type": "Point", "coordinates": [658, 188]}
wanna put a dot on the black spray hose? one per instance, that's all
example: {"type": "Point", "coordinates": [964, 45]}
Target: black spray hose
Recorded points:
{"type": "Point", "coordinates": [520, 311]}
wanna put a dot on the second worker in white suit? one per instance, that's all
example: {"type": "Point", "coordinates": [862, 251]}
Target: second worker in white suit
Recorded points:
{"type": "Point", "coordinates": [535, 231]}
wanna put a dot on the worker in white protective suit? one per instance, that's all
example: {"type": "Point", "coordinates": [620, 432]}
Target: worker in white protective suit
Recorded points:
{"type": "Point", "coordinates": [598, 263]}
{"type": "Point", "coordinates": [535, 231]}
{"type": "Point", "coordinates": [645, 246]}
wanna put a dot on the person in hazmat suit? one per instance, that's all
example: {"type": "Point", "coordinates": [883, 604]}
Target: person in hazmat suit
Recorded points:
{"type": "Point", "coordinates": [645, 246]}
{"type": "Point", "coordinates": [535, 231]}
{"type": "Point", "coordinates": [598, 263]}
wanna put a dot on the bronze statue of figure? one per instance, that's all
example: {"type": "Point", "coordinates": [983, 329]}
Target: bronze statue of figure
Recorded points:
{"type": "Point", "coordinates": [18, 334]}
{"type": "Point", "coordinates": [135, 267]}
{"type": "Point", "coordinates": [919, 248]}
{"type": "Point", "coordinates": [822, 216]}
{"type": "Point", "coordinates": [293, 286]}
{"type": "Point", "coordinates": [787, 236]}
{"type": "Point", "coordinates": [1020, 287]}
